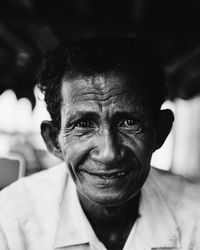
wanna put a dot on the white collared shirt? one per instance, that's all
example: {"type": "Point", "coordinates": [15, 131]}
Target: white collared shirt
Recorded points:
{"type": "Point", "coordinates": [43, 212]}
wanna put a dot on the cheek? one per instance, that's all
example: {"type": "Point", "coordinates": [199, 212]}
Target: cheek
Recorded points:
{"type": "Point", "coordinates": [75, 150]}
{"type": "Point", "coordinates": [141, 145]}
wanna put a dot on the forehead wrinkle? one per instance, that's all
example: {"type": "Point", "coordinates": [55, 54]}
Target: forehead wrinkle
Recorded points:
{"type": "Point", "coordinates": [102, 90]}
{"type": "Point", "coordinates": [69, 108]}
{"type": "Point", "coordinates": [108, 96]}
{"type": "Point", "coordinates": [100, 102]}
{"type": "Point", "coordinates": [96, 92]}
{"type": "Point", "coordinates": [100, 85]}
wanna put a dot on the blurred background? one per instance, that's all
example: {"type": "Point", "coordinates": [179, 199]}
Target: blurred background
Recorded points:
{"type": "Point", "coordinates": [30, 27]}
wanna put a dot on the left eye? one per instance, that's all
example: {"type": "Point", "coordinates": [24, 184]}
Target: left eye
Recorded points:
{"type": "Point", "coordinates": [85, 124]}
{"type": "Point", "coordinates": [131, 124]}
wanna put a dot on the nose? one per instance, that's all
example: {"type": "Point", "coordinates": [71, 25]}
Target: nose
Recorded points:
{"type": "Point", "coordinates": [107, 149]}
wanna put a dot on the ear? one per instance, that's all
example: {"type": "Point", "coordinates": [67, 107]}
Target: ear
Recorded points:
{"type": "Point", "coordinates": [50, 136]}
{"type": "Point", "coordinates": [163, 126]}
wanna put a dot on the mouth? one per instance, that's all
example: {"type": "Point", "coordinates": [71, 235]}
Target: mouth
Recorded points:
{"type": "Point", "coordinates": [107, 175]}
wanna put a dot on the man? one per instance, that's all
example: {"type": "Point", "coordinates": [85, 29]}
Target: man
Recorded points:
{"type": "Point", "coordinates": [104, 96]}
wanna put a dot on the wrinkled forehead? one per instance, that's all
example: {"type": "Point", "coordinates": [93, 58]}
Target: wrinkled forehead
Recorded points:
{"type": "Point", "coordinates": [100, 87]}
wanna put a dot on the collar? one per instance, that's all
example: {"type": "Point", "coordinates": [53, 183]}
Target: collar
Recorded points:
{"type": "Point", "coordinates": [155, 226]}
{"type": "Point", "coordinates": [72, 224]}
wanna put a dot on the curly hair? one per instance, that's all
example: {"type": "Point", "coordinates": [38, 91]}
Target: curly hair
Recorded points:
{"type": "Point", "coordinates": [93, 56]}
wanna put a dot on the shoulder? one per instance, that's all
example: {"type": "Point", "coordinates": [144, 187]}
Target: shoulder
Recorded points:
{"type": "Point", "coordinates": [180, 193]}
{"type": "Point", "coordinates": [31, 194]}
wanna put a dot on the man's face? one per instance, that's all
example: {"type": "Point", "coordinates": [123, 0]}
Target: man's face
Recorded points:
{"type": "Point", "coordinates": [106, 138]}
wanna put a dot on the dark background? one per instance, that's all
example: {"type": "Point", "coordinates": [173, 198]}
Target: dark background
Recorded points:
{"type": "Point", "coordinates": [30, 27]}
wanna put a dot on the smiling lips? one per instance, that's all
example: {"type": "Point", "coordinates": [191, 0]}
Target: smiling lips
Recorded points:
{"type": "Point", "coordinates": [105, 175]}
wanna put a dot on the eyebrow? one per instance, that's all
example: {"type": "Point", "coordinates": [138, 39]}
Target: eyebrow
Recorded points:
{"type": "Point", "coordinates": [73, 116]}
{"type": "Point", "coordinates": [127, 114]}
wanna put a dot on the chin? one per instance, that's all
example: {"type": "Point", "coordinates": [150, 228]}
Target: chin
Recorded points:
{"type": "Point", "coordinates": [109, 199]}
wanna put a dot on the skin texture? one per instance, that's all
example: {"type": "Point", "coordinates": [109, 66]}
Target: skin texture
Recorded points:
{"type": "Point", "coordinates": [107, 138]}
{"type": "Point", "coordinates": [105, 130]}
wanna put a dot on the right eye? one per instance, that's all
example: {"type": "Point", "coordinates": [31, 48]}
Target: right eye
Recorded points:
{"type": "Point", "coordinates": [84, 124]}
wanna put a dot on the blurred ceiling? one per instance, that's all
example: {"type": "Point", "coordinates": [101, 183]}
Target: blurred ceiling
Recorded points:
{"type": "Point", "coordinates": [30, 27]}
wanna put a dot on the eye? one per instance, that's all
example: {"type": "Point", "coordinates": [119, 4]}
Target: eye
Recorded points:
{"type": "Point", "coordinates": [84, 124]}
{"type": "Point", "coordinates": [131, 124]}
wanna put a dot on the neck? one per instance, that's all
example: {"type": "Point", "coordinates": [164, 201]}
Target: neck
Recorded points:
{"type": "Point", "coordinates": [104, 213]}
{"type": "Point", "coordinates": [111, 224]}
